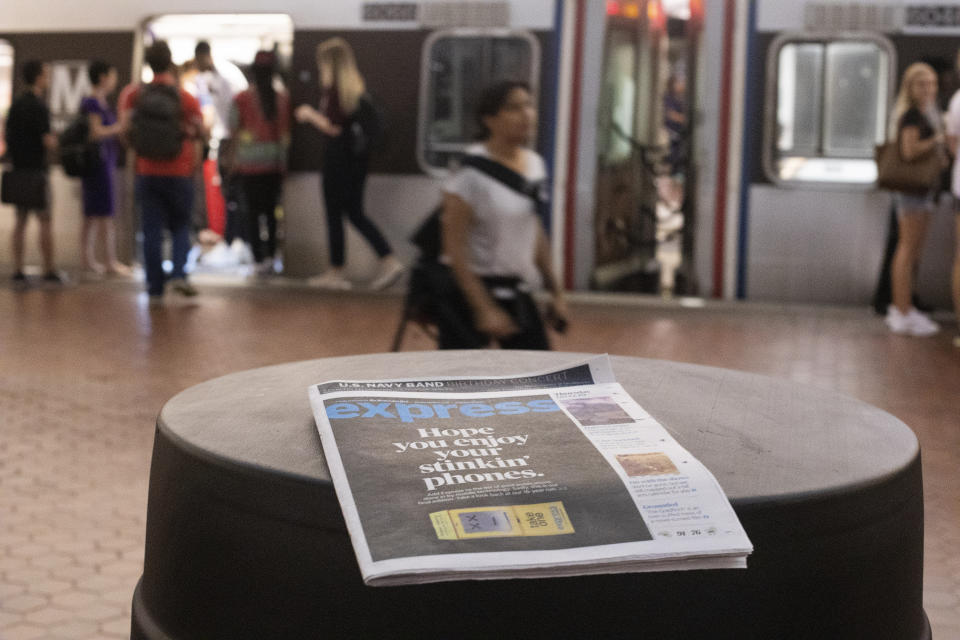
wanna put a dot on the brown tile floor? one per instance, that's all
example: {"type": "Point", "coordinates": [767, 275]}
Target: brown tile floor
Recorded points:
{"type": "Point", "coordinates": [84, 371]}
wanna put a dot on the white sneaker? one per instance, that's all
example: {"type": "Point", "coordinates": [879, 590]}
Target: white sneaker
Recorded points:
{"type": "Point", "coordinates": [390, 270]}
{"type": "Point", "coordinates": [920, 324]}
{"type": "Point", "coordinates": [330, 280]}
{"type": "Point", "coordinates": [264, 267]}
{"type": "Point", "coordinates": [912, 323]}
{"type": "Point", "coordinates": [896, 321]}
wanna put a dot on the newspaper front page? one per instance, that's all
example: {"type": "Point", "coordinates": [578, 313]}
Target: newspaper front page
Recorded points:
{"type": "Point", "coordinates": [555, 473]}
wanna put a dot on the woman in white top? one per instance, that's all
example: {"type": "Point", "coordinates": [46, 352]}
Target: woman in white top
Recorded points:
{"type": "Point", "coordinates": [493, 239]}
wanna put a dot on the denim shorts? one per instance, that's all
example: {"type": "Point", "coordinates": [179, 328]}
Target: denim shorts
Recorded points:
{"type": "Point", "coordinates": [914, 202]}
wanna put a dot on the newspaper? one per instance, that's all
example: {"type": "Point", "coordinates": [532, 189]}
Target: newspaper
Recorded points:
{"type": "Point", "coordinates": [555, 473]}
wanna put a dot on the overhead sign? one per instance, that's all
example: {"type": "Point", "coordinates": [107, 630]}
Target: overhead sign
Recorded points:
{"type": "Point", "coordinates": [932, 15]}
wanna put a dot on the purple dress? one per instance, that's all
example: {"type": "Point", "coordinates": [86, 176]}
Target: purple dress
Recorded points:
{"type": "Point", "coordinates": [98, 188]}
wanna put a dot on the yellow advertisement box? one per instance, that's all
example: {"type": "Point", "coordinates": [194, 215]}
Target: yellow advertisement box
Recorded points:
{"type": "Point", "coordinates": [541, 519]}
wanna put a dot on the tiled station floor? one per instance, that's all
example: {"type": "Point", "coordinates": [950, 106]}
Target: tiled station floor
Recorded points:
{"type": "Point", "coordinates": [84, 371]}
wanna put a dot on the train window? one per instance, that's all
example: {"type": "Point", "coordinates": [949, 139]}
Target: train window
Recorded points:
{"type": "Point", "coordinates": [6, 86]}
{"type": "Point", "coordinates": [458, 64]}
{"type": "Point", "coordinates": [826, 108]}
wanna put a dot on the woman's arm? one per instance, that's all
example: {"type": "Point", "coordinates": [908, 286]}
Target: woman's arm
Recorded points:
{"type": "Point", "coordinates": [306, 113]}
{"type": "Point", "coordinates": [99, 131]}
{"type": "Point", "coordinates": [911, 146]}
{"type": "Point", "coordinates": [489, 318]}
{"type": "Point", "coordinates": [557, 315]}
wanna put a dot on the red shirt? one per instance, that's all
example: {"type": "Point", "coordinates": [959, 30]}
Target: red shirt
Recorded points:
{"type": "Point", "coordinates": [192, 118]}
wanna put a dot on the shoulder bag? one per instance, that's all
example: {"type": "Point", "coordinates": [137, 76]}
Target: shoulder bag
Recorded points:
{"type": "Point", "coordinates": [919, 175]}
{"type": "Point", "coordinates": [24, 188]}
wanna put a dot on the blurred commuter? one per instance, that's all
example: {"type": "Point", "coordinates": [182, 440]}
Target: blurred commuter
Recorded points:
{"type": "Point", "coordinates": [28, 138]}
{"type": "Point", "coordinates": [260, 129]}
{"type": "Point", "coordinates": [917, 126]}
{"type": "Point", "coordinates": [99, 187]}
{"type": "Point", "coordinates": [493, 239]}
{"type": "Point", "coordinates": [350, 125]}
{"type": "Point", "coordinates": [675, 123]}
{"type": "Point", "coordinates": [215, 93]}
{"type": "Point", "coordinates": [953, 131]}
{"type": "Point", "coordinates": [165, 128]}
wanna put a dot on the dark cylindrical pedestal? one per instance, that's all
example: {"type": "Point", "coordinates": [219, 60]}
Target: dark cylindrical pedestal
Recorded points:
{"type": "Point", "coordinates": [245, 538]}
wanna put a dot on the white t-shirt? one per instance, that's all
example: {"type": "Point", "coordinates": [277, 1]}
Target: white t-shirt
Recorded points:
{"type": "Point", "coordinates": [214, 89]}
{"type": "Point", "coordinates": [952, 119]}
{"type": "Point", "coordinates": [502, 237]}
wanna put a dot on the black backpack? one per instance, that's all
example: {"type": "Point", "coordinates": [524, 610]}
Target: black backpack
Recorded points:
{"type": "Point", "coordinates": [79, 156]}
{"type": "Point", "coordinates": [155, 128]}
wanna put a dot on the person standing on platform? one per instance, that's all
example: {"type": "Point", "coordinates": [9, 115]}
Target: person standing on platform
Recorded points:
{"type": "Point", "coordinates": [260, 130]}
{"type": "Point", "coordinates": [953, 134]}
{"type": "Point", "coordinates": [29, 139]}
{"type": "Point", "coordinates": [215, 93]}
{"type": "Point", "coordinates": [917, 126]}
{"type": "Point", "coordinates": [350, 125]}
{"type": "Point", "coordinates": [99, 188]}
{"type": "Point", "coordinates": [164, 126]}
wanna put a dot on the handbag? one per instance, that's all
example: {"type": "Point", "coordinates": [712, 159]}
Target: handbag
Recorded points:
{"type": "Point", "coordinates": [919, 175]}
{"type": "Point", "coordinates": [24, 188]}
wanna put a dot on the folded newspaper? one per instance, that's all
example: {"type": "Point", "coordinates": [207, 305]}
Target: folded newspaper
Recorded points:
{"type": "Point", "coordinates": [556, 473]}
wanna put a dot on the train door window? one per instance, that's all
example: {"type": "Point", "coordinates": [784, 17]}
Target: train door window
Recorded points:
{"type": "Point", "coordinates": [457, 65]}
{"type": "Point", "coordinates": [6, 86]}
{"type": "Point", "coordinates": [827, 106]}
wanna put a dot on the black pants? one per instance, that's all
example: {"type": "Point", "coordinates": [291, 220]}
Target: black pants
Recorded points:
{"type": "Point", "coordinates": [456, 327]}
{"type": "Point", "coordinates": [261, 192]}
{"type": "Point", "coordinates": [344, 178]}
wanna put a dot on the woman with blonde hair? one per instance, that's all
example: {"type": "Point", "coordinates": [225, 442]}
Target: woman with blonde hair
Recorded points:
{"type": "Point", "coordinates": [916, 125]}
{"type": "Point", "coordinates": [349, 124]}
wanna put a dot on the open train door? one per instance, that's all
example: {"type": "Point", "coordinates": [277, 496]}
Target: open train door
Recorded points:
{"type": "Point", "coordinates": [234, 40]}
{"type": "Point", "coordinates": [630, 148]}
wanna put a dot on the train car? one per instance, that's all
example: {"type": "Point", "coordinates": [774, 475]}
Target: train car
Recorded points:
{"type": "Point", "coordinates": [424, 64]}
{"type": "Point", "coordinates": [820, 78]}
{"type": "Point", "coordinates": [753, 180]}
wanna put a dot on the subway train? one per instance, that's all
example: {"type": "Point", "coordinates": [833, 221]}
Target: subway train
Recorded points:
{"type": "Point", "coordinates": [719, 148]}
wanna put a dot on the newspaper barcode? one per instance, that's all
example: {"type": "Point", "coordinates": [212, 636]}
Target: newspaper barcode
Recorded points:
{"type": "Point", "coordinates": [535, 520]}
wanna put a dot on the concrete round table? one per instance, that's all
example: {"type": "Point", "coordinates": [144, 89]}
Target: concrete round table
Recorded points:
{"type": "Point", "coordinates": [245, 538]}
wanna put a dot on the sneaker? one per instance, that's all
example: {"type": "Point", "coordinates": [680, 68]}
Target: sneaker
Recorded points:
{"type": "Point", "coordinates": [911, 323]}
{"type": "Point", "coordinates": [184, 288]}
{"type": "Point", "coordinates": [390, 270]}
{"type": "Point", "coordinates": [920, 324]}
{"type": "Point", "coordinates": [330, 280]}
{"type": "Point", "coordinates": [19, 278]}
{"type": "Point", "coordinates": [264, 267]}
{"type": "Point", "coordinates": [52, 277]}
